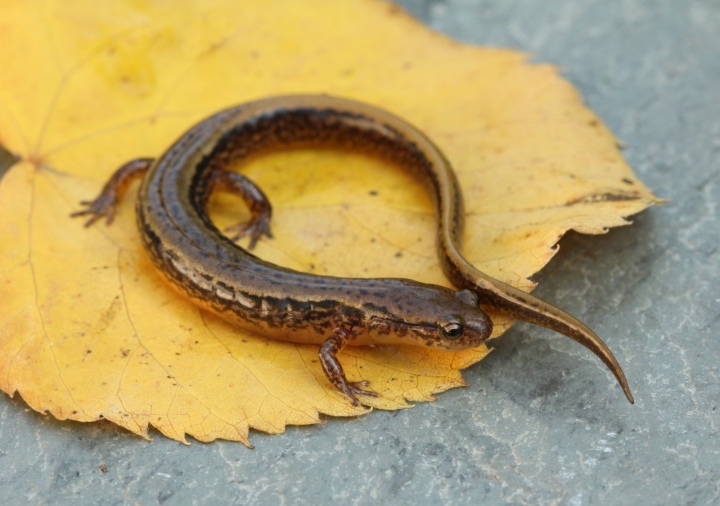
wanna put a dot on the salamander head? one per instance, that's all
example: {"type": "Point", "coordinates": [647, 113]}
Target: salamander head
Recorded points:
{"type": "Point", "coordinates": [431, 316]}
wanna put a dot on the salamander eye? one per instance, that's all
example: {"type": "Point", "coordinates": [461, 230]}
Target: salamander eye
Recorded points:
{"type": "Point", "coordinates": [452, 331]}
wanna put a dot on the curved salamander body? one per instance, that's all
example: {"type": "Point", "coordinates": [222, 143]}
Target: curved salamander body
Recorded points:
{"type": "Point", "coordinates": [280, 303]}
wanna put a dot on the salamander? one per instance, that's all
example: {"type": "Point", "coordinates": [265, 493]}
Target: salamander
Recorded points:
{"type": "Point", "coordinates": [252, 294]}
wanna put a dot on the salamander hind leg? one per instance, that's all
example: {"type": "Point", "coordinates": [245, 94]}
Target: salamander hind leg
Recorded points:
{"type": "Point", "coordinates": [113, 191]}
{"type": "Point", "coordinates": [254, 198]}
{"type": "Point", "coordinates": [334, 371]}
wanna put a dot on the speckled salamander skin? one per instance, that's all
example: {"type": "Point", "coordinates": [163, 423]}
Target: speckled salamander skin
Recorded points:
{"type": "Point", "coordinates": [283, 304]}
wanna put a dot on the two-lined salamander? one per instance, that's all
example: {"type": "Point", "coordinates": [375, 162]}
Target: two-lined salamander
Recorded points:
{"type": "Point", "coordinates": [287, 305]}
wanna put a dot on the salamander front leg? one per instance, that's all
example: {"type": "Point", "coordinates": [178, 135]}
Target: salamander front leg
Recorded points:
{"type": "Point", "coordinates": [112, 192]}
{"type": "Point", "coordinates": [334, 371]}
{"type": "Point", "coordinates": [254, 198]}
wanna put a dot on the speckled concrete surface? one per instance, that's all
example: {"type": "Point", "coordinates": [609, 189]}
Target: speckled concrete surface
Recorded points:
{"type": "Point", "coordinates": [544, 422]}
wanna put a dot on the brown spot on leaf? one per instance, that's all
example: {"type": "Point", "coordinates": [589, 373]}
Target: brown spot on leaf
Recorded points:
{"type": "Point", "coordinates": [610, 196]}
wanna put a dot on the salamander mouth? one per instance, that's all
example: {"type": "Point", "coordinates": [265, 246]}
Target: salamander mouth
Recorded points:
{"type": "Point", "coordinates": [430, 334]}
{"type": "Point", "coordinates": [393, 331]}
{"type": "Point", "coordinates": [376, 322]}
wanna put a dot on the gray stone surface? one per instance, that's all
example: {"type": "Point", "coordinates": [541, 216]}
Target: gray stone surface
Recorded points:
{"type": "Point", "coordinates": [544, 422]}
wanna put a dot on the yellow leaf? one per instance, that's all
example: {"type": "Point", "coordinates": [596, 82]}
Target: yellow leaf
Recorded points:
{"type": "Point", "coordinates": [88, 330]}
